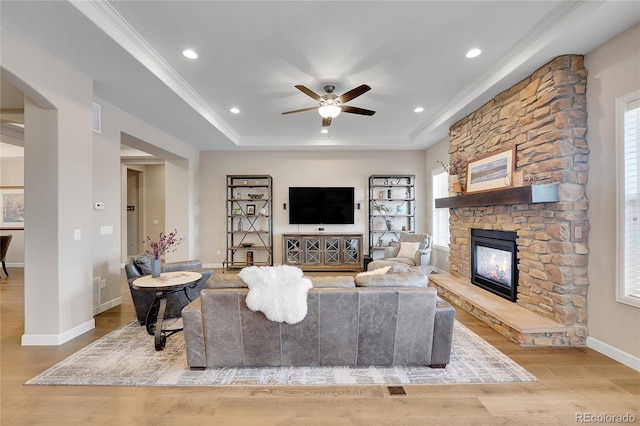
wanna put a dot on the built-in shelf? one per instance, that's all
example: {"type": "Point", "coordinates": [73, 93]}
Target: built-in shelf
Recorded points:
{"type": "Point", "coordinates": [521, 195]}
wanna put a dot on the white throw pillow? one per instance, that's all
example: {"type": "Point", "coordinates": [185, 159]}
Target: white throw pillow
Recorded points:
{"type": "Point", "coordinates": [408, 249]}
{"type": "Point", "coordinates": [379, 271]}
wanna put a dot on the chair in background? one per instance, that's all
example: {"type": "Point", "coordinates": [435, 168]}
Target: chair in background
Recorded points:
{"type": "Point", "coordinates": [412, 250]}
{"type": "Point", "coordinates": [144, 297]}
{"type": "Point", "coordinates": [5, 240]}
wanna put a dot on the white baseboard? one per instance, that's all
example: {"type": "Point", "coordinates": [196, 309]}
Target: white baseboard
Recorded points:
{"type": "Point", "coordinates": [107, 305]}
{"type": "Point", "coordinates": [57, 339]}
{"type": "Point", "coordinates": [614, 353]}
{"type": "Point", "coordinates": [14, 264]}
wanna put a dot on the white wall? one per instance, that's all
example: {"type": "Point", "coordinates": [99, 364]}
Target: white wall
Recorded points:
{"type": "Point", "coordinates": [614, 70]}
{"type": "Point", "coordinates": [58, 187]}
{"type": "Point", "coordinates": [67, 168]}
{"type": "Point", "coordinates": [299, 168]}
{"type": "Point", "coordinates": [438, 152]}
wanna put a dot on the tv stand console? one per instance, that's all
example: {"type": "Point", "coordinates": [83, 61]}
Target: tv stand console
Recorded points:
{"type": "Point", "coordinates": [323, 252]}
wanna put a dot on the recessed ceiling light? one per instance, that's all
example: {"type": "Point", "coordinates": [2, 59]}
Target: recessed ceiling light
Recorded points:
{"type": "Point", "coordinates": [324, 131]}
{"type": "Point", "coordinates": [190, 54]}
{"type": "Point", "coordinates": [473, 53]}
{"type": "Point", "coordinates": [235, 110]}
{"type": "Point", "coordinates": [418, 109]}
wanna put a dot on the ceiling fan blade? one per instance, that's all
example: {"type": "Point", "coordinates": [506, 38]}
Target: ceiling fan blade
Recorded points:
{"type": "Point", "coordinates": [302, 110]}
{"type": "Point", "coordinates": [326, 122]}
{"type": "Point", "coordinates": [356, 110]}
{"type": "Point", "coordinates": [308, 92]}
{"type": "Point", "coordinates": [353, 93]}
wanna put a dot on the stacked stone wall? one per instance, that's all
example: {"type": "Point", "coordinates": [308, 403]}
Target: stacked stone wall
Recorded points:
{"type": "Point", "coordinates": [544, 118]}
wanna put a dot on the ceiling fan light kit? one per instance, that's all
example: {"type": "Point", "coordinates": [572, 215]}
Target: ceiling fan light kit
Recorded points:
{"type": "Point", "coordinates": [329, 111]}
{"type": "Point", "coordinates": [331, 105]}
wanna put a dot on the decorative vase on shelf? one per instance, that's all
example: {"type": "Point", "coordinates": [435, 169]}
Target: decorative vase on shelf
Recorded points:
{"type": "Point", "coordinates": [240, 226]}
{"type": "Point", "coordinates": [389, 225]}
{"type": "Point", "coordinates": [457, 187]}
{"type": "Point", "coordinates": [156, 268]}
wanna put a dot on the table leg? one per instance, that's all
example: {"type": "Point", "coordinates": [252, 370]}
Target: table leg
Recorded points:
{"type": "Point", "coordinates": [160, 337]}
{"type": "Point", "coordinates": [155, 318]}
{"type": "Point", "coordinates": [152, 315]}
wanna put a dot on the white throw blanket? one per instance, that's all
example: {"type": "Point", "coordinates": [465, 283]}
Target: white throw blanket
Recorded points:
{"type": "Point", "coordinates": [280, 292]}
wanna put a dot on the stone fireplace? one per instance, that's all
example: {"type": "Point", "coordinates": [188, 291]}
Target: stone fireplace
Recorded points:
{"type": "Point", "coordinates": [544, 118]}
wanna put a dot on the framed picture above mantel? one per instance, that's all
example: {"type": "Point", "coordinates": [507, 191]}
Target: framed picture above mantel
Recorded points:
{"type": "Point", "coordinates": [491, 171]}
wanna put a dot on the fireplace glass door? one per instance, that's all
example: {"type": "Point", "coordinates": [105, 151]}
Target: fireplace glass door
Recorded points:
{"type": "Point", "coordinates": [494, 262]}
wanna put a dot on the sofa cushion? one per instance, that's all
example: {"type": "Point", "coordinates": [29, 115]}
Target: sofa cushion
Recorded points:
{"type": "Point", "coordinates": [143, 262]}
{"type": "Point", "coordinates": [339, 281]}
{"type": "Point", "coordinates": [408, 249]}
{"type": "Point", "coordinates": [403, 279]}
{"type": "Point", "coordinates": [226, 281]}
{"type": "Point", "coordinates": [377, 271]}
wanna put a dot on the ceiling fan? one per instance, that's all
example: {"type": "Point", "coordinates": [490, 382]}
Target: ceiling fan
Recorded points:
{"type": "Point", "coordinates": [331, 105]}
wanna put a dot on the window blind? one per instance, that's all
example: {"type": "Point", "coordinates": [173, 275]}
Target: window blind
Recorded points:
{"type": "Point", "coordinates": [632, 198]}
{"type": "Point", "coordinates": [440, 216]}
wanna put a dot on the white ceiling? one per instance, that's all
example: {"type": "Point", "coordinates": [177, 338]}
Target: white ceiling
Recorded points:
{"type": "Point", "coordinates": [252, 53]}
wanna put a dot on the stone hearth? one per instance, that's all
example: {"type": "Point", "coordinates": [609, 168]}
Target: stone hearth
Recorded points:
{"type": "Point", "coordinates": [544, 118]}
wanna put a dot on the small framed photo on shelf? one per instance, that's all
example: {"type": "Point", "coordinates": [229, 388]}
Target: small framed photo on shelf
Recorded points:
{"type": "Point", "coordinates": [491, 171]}
{"type": "Point", "coordinates": [251, 209]}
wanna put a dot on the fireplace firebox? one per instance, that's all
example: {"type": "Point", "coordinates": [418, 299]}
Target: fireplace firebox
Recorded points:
{"type": "Point", "coordinates": [494, 262]}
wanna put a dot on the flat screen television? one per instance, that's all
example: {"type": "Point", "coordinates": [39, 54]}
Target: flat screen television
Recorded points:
{"type": "Point", "coordinates": [317, 205]}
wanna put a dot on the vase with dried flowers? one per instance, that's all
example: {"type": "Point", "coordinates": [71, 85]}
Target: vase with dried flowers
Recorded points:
{"type": "Point", "coordinates": [166, 244]}
{"type": "Point", "coordinates": [454, 169]}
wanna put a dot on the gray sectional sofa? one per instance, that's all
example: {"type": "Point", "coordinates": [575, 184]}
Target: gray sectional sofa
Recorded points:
{"type": "Point", "coordinates": [377, 324]}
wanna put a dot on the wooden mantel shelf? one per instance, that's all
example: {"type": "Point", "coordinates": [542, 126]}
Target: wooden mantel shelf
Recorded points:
{"type": "Point", "coordinates": [521, 195]}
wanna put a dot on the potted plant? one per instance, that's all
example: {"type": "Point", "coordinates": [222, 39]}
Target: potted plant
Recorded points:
{"type": "Point", "coordinates": [381, 209]}
{"type": "Point", "coordinates": [455, 169]}
{"type": "Point", "coordinates": [166, 243]}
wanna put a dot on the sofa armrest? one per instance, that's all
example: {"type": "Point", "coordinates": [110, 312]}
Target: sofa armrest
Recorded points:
{"type": "Point", "coordinates": [206, 274]}
{"type": "Point", "coordinates": [132, 272]}
{"type": "Point", "coordinates": [194, 335]}
{"type": "Point", "coordinates": [442, 333]}
{"type": "Point", "coordinates": [423, 257]}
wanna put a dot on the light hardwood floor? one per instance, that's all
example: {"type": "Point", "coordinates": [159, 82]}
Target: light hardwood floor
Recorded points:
{"type": "Point", "coordinates": [572, 381]}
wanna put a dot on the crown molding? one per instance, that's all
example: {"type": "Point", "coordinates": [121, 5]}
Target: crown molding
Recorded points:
{"type": "Point", "coordinates": [113, 24]}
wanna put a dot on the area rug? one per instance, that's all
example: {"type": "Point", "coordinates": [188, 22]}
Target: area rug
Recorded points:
{"type": "Point", "coordinates": [126, 357]}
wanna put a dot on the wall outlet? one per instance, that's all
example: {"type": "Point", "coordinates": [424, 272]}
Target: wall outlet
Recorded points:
{"type": "Point", "coordinates": [103, 283]}
{"type": "Point", "coordinates": [218, 253]}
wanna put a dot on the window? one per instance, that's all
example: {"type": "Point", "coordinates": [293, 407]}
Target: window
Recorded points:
{"type": "Point", "coordinates": [440, 216]}
{"type": "Point", "coordinates": [628, 199]}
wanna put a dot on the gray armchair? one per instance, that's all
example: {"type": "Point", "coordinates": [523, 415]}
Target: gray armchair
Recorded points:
{"type": "Point", "coordinates": [144, 297]}
{"type": "Point", "coordinates": [421, 257]}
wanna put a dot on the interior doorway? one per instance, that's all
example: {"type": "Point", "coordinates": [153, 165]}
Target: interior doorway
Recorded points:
{"type": "Point", "coordinates": [134, 206]}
